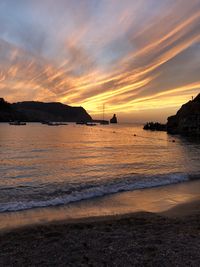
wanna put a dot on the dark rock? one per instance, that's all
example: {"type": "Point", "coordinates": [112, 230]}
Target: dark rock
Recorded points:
{"type": "Point", "coordinates": [31, 111]}
{"type": "Point", "coordinates": [155, 126]}
{"type": "Point", "coordinates": [187, 119]}
{"type": "Point", "coordinates": [114, 119]}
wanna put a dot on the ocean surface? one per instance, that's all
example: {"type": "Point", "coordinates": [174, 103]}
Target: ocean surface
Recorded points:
{"type": "Point", "coordinates": [42, 166]}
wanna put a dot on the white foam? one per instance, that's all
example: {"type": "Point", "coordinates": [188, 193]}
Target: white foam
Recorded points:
{"type": "Point", "coordinates": [126, 184]}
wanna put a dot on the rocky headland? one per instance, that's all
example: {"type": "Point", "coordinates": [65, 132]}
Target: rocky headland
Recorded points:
{"type": "Point", "coordinates": [113, 119]}
{"type": "Point", "coordinates": [31, 111]}
{"type": "Point", "coordinates": [155, 126]}
{"type": "Point", "coordinates": [187, 119]}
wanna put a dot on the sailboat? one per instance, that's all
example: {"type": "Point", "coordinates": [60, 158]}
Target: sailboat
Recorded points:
{"type": "Point", "coordinates": [104, 122]}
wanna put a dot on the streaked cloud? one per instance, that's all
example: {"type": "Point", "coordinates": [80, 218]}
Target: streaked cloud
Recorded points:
{"type": "Point", "coordinates": [132, 56]}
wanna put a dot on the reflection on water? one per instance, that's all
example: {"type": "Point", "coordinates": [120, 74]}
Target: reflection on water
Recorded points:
{"type": "Point", "coordinates": [44, 166]}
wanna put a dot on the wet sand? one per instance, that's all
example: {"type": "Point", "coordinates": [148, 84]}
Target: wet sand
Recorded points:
{"type": "Point", "coordinates": [171, 238]}
{"type": "Point", "coordinates": [155, 200]}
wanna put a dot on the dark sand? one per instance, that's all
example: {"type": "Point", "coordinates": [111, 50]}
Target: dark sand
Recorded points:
{"type": "Point", "coordinates": [171, 238]}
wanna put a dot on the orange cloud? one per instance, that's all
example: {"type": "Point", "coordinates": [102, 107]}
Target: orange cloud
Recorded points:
{"type": "Point", "coordinates": [123, 63]}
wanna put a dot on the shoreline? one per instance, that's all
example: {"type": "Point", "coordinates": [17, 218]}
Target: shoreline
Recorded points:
{"type": "Point", "coordinates": [155, 200]}
{"type": "Point", "coordinates": [179, 211]}
{"type": "Point", "coordinates": [135, 239]}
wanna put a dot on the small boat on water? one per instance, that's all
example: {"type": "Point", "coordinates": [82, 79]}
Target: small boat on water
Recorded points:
{"type": "Point", "coordinates": [91, 124]}
{"type": "Point", "coordinates": [19, 123]}
{"type": "Point", "coordinates": [80, 122]}
{"type": "Point", "coordinates": [62, 123]}
{"type": "Point", "coordinates": [56, 123]}
{"type": "Point", "coordinates": [104, 122]}
{"type": "Point", "coordinates": [53, 124]}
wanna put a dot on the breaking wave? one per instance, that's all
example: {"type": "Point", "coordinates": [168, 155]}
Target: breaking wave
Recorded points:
{"type": "Point", "coordinates": [92, 191]}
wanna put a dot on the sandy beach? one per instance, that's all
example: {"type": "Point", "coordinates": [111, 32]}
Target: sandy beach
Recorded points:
{"type": "Point", "coordinates": [169, 238]}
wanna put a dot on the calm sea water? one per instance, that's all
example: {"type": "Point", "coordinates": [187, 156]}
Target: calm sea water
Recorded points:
{"type": "Point", "coordinates": [44, 166]}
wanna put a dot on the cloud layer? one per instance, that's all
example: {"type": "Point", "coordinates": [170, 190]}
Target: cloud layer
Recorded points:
{"type": "Point", "coordinates": [136, 57]}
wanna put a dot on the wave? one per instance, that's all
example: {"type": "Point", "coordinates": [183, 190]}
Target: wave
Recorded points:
{"type": "Point", "coordinates": [89, 192]}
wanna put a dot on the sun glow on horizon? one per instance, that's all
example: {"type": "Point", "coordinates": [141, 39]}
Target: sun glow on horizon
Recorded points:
{"type": "Point", "coordinates": [129, 56]}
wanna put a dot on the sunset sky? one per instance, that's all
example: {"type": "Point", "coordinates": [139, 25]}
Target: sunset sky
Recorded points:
{"type": "Point", "coordinates": [139, 58]}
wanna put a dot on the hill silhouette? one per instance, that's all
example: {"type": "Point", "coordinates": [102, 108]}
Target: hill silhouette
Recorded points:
{"type": "Point", "coordinates": [33, 111]}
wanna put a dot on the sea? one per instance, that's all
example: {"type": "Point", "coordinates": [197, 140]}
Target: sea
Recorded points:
{"type": "Point", "coordinates": [48, 166]}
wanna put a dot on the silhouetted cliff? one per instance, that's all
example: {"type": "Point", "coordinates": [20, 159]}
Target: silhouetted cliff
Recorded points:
{"type": "Point", "coordinates": [31, 111]}
{"type": "Point", "coordinates": [187, 119]}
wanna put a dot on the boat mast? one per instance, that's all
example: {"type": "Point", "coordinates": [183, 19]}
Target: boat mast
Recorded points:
{"type": "Point", "coordinates": [103, 111]}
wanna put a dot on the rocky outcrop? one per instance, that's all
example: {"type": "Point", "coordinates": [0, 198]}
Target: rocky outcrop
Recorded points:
{"type": "Point", "coordinates": [155, 126]}
{"type": "Point", "coordinates": [31, 111]}
{"type": "Point", "coordinates": [187, 119]}
{"type": "Point", "coordinates": [114, 119]}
